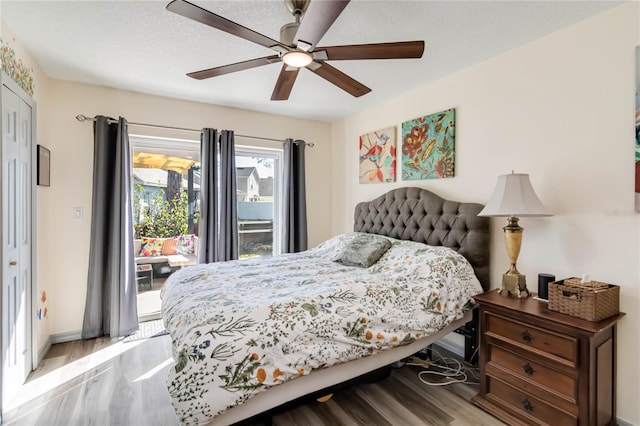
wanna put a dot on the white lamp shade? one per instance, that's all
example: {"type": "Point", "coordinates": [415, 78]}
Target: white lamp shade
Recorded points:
{"type": "Point", "coordinates": [514, 196]}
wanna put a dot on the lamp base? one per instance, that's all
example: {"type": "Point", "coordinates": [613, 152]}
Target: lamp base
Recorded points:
{"type": "Point", "coordinates": [515, 285]}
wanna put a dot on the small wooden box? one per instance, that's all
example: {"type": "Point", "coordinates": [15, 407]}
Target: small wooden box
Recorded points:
{"type": "Point", "coordinates": [592, 301]}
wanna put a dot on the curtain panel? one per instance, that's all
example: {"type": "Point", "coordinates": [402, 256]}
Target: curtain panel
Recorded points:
{"type": "Point", "coordinates": [218, 222]}
{"type": "Point", "coordinates": [294, 227]}
{"type": "Point", "coordinates": [111, 304]}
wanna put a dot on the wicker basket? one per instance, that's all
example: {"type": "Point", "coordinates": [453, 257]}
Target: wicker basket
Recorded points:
{"type": "Point", "coordinates": [592, 301]}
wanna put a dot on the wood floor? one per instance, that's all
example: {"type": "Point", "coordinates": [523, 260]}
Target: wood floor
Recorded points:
{"type": "Point", "coordinates": [108, 382]}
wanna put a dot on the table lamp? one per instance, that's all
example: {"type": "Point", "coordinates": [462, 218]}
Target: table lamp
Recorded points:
{"type": "Point", "coordinates": [514, 196]}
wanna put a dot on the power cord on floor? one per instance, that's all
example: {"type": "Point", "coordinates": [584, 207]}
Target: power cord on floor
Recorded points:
{"type": "Point", "coordinates": [449, 368]}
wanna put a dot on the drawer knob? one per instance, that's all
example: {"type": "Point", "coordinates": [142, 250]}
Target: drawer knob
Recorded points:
{"type": "Point", "coordinates": [526, 336]}
{"type": "Point", "coordinates": [527, 405]}
{"type": "Point", "coordinates": [528, 369]}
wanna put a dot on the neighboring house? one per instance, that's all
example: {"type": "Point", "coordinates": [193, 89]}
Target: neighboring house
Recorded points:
{"type": "Point", "coordinates": [248, 187]}
{"type": "Point", "coordinates": [149, 183]}
{"type": "Point", "coordinates": [266, 189]}
{"type": "Point", "coordinates": [154, 182]}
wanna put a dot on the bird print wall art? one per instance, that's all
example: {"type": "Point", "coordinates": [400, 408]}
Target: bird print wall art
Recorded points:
{"type": "Point", "coordinates": [378, 156]}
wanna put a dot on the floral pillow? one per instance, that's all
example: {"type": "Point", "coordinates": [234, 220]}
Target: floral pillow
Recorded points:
{"type": "Point", "coordinates": [150, 246]}
{"type": "Point", "coordinates": [363, 250]}
{"type": "Point", "coordinates": [185, 244]}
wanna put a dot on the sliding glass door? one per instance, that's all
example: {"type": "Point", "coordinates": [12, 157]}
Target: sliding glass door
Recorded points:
{"type": "Point", "coordinates": [166, 204]}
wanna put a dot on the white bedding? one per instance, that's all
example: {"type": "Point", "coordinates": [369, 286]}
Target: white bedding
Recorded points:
{"type": "Point", "coordinates": [239, 327]}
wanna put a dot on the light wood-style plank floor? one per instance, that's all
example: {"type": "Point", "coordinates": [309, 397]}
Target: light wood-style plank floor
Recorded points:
{"type": "Point", "coordinates": [107, 382]}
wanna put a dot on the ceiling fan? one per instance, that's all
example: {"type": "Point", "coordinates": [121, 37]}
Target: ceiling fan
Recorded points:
{"type": "Point", "coordinates": [297, 46]}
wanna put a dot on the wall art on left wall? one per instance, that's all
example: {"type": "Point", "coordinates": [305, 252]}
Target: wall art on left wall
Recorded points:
{"type": "Point", "coordinates": [378, 156]}
{"type": "Point", "coordinates": [44, 166]}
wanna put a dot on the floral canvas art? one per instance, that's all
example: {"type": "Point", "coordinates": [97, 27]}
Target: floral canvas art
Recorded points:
{"type": "Point", "coordinates": [378, 156]}
{"type": "Point", "coordinates": [428, 146]}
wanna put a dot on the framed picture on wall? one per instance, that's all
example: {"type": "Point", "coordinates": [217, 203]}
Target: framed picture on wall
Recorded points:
{"type": "Point", "coordinates": [44, 166]}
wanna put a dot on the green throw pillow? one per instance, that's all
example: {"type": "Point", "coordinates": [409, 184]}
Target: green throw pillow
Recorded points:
{"type": "Point", "coordinates": [363, 250]}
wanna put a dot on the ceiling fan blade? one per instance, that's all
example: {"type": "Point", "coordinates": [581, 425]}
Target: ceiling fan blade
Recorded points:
{"type": "Point", "coordinates": [238, 66]}
{"type": "Point", "coordinates": [340, 79]}
{"type": "Point", "coordinates": [191, 11]}
{"type": "Point", "coordinates": [397, 50]}
{"type": "Point", "coordinates": [285, 82]}
{"type": "Point", "coordinates": [318, 18]}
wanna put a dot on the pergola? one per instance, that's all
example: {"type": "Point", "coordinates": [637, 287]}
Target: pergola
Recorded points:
{"type": "Point", "coordinates": [184, 166]}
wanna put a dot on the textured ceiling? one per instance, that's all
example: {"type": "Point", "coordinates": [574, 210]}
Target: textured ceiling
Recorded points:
{"type": "Point", "coordinates": [139, 46]}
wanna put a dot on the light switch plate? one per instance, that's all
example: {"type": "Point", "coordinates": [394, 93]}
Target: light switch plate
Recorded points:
{"type": "Point", "coordinates": [77, 213]}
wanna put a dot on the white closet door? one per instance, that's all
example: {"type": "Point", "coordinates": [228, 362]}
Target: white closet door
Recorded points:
{"type": "Point", "coordinates": [16, 240]}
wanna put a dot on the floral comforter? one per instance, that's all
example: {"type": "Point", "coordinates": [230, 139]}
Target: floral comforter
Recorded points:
{"type": "Point", "coordinates": [239, 327]}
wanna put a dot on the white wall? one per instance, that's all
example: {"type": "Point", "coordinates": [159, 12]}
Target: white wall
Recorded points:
{"type": "Point", "coordinates": [561, 109]}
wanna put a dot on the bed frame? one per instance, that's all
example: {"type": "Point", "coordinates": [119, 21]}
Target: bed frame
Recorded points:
{"type": "Point", "coordinates": [405, 214]}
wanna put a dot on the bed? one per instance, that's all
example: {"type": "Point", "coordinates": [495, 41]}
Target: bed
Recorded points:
{"type": "Point", "coordinates": [241, 332]}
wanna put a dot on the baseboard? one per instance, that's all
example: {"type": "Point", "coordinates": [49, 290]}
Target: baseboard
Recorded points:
{"type": "Point", "coordinates": [67, 336]}
{"type": "Point", "coordinates": [623, 422]}
{"type": "Point", "coordinates": [43, 351]}
{"type": "Point", "coordinates": [452, 347]}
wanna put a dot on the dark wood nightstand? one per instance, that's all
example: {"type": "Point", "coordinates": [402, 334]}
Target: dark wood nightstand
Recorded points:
{"type": "Point", "coordinates": [542, 367]}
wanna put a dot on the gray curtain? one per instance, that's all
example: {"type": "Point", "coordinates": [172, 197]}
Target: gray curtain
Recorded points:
{"type": "Point", "coordinates": [208, 220]}
{"type": "Point", "coordinates": [111, 307]}
{"type": "Point", "coordinates": [294, 227]}
{"type": "Point", "coordinates": [218, 222]}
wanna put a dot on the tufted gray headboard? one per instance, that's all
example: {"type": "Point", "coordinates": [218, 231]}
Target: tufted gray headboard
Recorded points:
{"type": "Point", "coordinates": [419, 215]}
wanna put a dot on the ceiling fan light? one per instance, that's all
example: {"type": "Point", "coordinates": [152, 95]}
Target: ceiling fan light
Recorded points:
{"type": "Point", "coordinates": [297, 59]}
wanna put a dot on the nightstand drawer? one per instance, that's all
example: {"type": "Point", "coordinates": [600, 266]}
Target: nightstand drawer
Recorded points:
{"type": "Point", "coordinates": [530, 408]}
{"type": "Point", "coordinates": [529, 370]}
{"type": "Point", "coordinates": [524, 335]}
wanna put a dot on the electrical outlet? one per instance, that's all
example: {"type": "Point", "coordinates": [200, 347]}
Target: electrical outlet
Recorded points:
{"type": "Point", "coordinates": [77, 213]}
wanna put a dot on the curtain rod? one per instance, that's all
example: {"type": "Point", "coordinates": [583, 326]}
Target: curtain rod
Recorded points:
{"type": "Point", "coordinates": [82, 117]}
